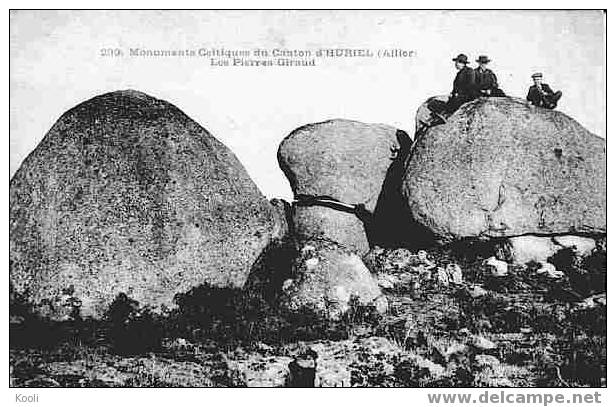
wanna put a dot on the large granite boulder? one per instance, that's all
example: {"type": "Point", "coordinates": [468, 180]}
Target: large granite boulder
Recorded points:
{"type": "Point", "coordinates": [358, 165]}
{"type": "Point", "coordinates": [502, 168]}
{"type": "Point", "coordinates": [127, 194]}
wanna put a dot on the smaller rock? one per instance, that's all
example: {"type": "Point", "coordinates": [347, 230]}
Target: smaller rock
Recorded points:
{"type": "Point", "coordinates": [387, 281]}
{"type": "Point", "coordinates": [312, 262]}
{"type": "Point", "coordinates": [287, 284]}
{"type": "Point", "coordinates": [464, 332]}
{"type": "Point", "coordinates": [422, 257]}
{"type": "Point", "coordinates": [424, 272]}
{"type": "Point", "coordinates": [526, 330]}
{"type": "Point", "coordinates": [442, 279]}
{"type": "Point", "coordinates": [593, 301]}
{"type": "Point", "coordinates": [476, 291]}
{"type": "Point", "coordinates": [600, 299]}
{"type": "Point", "coordinates": [263, 347]}
{"type": "Point", "coordinates": [400, 259]}
{"type": "Point", "coordinates": [381, 304]}
{"type": "Point", "coordinates": [454, 272]}
{"type": "Point", "coordinates": [498, 268]}
{"type": "Point", "coordinates": [180, 344]}
{"type": "Point", "coordinates": [481, 343]}
{"type": "Point", "coordinates": [456, 348]}
{"type": "Point", "coordinates": [529, 248]}
{"type": "Point", "coordinates": [549, 270]}
{"type": "Point", "coordinates": [582, 246]}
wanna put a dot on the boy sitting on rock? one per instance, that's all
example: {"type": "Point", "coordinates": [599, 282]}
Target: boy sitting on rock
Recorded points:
{"type": "Point", "coordinates": [541, 95]}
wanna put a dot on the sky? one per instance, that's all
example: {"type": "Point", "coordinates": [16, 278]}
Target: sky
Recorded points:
{"type": "Point", "coordinates": [57, 61]}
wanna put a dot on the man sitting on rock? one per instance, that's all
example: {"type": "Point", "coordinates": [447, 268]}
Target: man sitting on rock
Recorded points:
{"type": "Point", "coordinates": [485, 79]}
{"type": "Point", "coordinates": [464, 90]}
{"type": "Point", "coordinates": [541, 95]}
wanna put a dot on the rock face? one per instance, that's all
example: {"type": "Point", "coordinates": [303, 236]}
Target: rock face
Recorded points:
{"type": "Point", "coordinates": [325, 280]}
{"type": "Point", "coordinates": [423, 114]}
{"type": "Point", "coordinates": [351, 162]}
{"type": "Point", "coordinates": [340, 227]}
{"type": "Point", "coordinates": [127, 194]}
{"type": "Point", "coordinates": [524, 249]}
{"type": "Point", "coordinates": [502, 168]}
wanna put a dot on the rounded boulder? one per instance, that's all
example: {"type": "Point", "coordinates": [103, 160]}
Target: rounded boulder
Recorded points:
{"type": "Point", "coordinates": [355, 164]}
{"type": "Point", "coordinates": [127, 194]}
{"type": "Point", "coordinates": [499, 168]}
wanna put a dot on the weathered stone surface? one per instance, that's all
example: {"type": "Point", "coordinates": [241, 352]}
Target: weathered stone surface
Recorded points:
{"type": "Point", "coordinates": [423, 114]}
{"type": "Point", "coordinates": [351, 162]}
{"type": "Point", "coordinates": [282, 217]}
{"type": "Point", "coordinates": [524, 249]}
{"type": "Point", "coordinates": [501, 168]}
{"type": "Point", "coordinates": [326, 278]}
{"type": "Point", "coordinates": [581, 246]}
{"type": "Point", "coordinates": [343, 228]}
{"type": "Point", "coordinates": [127, 194]}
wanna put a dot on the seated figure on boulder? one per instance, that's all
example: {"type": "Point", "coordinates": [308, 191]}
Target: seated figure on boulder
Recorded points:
{"type": "Point", "coordinates": [541, 95]}
{"type": "Point", "coordinates": [485, 79]}
{"type": "Point", "coordinates": [464, 90]}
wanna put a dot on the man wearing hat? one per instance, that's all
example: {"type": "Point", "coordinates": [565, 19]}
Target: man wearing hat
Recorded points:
{"type": "Point", "coordinates": [486, 82]}
{"type": "Point", "coordinates": [464, 89]}
{"type": "Point", "coordinates": [541, 95]}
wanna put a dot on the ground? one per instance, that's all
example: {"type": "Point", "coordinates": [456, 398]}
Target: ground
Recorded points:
{"type": "Point", "coordinates": [441, 330]}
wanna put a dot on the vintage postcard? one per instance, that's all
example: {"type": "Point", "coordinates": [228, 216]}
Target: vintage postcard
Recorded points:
{"type": "Point", "coordinates": [309, 198]}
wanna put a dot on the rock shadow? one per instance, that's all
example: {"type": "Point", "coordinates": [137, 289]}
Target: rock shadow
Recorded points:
{"type": "Point", "coordinates": [392, 224]}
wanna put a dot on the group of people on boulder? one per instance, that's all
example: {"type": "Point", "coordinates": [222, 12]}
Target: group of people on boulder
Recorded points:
{"type": "Point", "coordinates": [481, 81]}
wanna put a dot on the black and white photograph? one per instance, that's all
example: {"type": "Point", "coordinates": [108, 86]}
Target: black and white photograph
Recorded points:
{"type": "Point", "coordinates": [309, 198]}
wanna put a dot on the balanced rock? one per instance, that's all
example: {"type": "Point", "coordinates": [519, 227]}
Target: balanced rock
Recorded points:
{"type": "Point", "coordinates": [351, 165]}
{"type": "Point", "coordinates": [127, 194]}
{"type": "Point", "coordinates": [327, 279]}
{"type": "Point", "coordinates": [502, 168]}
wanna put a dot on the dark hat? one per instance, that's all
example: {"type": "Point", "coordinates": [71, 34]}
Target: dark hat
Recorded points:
{"type": "Point", "coordinates": [483, 59]}
{"type": "Point", "coordinates": [537, 75]}
{"type": "Point", "coordinates": [461, 58]}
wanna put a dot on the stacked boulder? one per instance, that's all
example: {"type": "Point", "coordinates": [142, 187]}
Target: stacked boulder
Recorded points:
{"type": "Point", "coordinates": [342, 174]}
{"type": "Point", "coordinates": [127, 194]}
{"type": "Point", "coordinates": [500, 168]}
{"type": "Point", "coordinates": [424, 117]}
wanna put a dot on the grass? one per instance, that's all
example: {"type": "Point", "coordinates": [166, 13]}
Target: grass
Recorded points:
{"type": "Point", "coordinates": [221, 337]}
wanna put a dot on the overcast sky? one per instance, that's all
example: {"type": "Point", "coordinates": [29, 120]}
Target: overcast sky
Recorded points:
{"type": "Point", "coordinates": [56, 63]}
